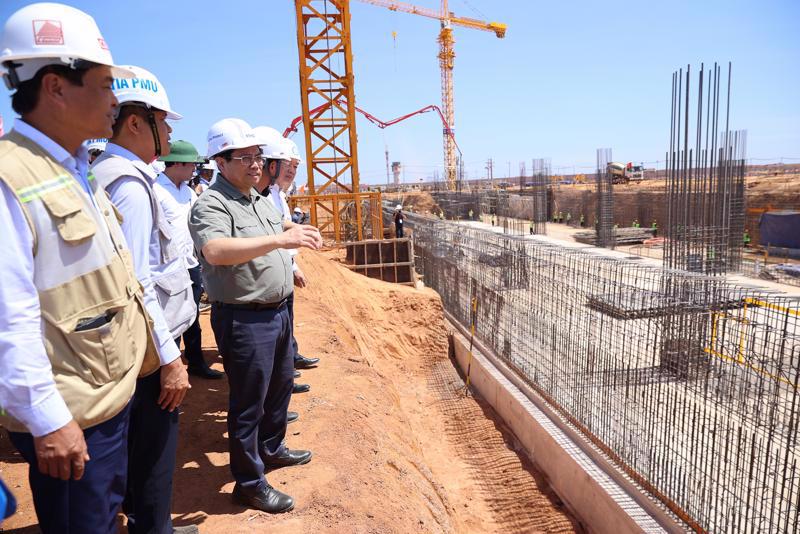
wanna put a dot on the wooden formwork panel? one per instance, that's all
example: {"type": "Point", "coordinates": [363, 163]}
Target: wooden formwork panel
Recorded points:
{"type": "Point", "coordinates": [390, 260]}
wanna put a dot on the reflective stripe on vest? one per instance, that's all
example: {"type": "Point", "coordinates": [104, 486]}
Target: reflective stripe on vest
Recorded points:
{"type": "Point", "coordinates": [82, 270]}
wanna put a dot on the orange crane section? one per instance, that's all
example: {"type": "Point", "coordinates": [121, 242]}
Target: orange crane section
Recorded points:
{"type": "Point", "coordinates": [446, 62]}
{"type": "Point", "coordinates": [336, 203]}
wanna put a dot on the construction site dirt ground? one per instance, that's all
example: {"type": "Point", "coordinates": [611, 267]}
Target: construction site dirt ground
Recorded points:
{"type": "Point", "coordinates": [397, 447]}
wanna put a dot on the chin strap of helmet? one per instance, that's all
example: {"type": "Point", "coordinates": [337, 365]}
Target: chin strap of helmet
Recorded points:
{"type": "Point", "coordinates": [151, 119]}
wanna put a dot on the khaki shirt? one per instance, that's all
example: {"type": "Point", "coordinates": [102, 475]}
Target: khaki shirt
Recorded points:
{"type": "Point", "coordinates": [223, 211]}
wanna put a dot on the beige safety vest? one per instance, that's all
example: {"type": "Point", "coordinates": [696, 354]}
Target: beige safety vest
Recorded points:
{"type": "Point", "coordinates": [82, 269]}
{"type": "Point", "coordinates": [171, 281]}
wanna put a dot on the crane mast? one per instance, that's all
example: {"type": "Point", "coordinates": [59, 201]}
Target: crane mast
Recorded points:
{"type": "Point", "coordinates": [447, 57]}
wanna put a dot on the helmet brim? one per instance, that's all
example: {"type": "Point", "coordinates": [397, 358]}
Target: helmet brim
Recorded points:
{"type": "Point", "coordinates": [121, 72]}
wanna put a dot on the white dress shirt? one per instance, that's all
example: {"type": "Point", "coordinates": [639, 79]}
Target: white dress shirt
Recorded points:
{"type": "Point", "coordinates": [27, 389]}
{"type": "Point", "coordinates": [132, 200]}
{"type": "Point", "coordinates": [278, 199]}
{"type": "Point", "coordinates": [176, 203]}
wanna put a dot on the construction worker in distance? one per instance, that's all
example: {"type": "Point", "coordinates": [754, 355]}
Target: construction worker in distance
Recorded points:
{"type": "Point", "coordinates": [746, 238]}
{"type": "Point", "coordinates": [281, 159]}
{"type": "Point", "coordinates": [76, 334]}
{"type": "Point", "coordinates": [583, 221]}
{"type": "Point", "coordinates": [140, 135]}
{"type": "Point", "coordinates": [241, 242]}
{"type": "Point", "coordinates": [471, 213]}
{"type": "Point", "coordinates": [173, 193]}
{"type": "Point", "coordinates": [654, 227]}
{"type": "Point", "coordinates": [398, 221]}
{"type": "Point", "coordinates": [530, 228]}
{"type": "Point", "coordinates": [636, 224]}
{"type": "Point", "coordinates": [205, 176]}
{"type": "Point", "coordinates": [569, 217]}
{"type": "Point", "coordinates": [95, 148]}
{"type": "Point", "coordinates": [298, 217]}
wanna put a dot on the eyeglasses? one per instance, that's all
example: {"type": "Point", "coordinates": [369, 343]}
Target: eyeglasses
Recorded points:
{"type": "Point", "coordinates": [249, 159]}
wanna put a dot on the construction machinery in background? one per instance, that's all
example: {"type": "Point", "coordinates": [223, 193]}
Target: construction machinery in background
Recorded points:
{"type": "Point", "coordinates": [625, 174]}
{"type": "Point", "coordinates": [446, 61]}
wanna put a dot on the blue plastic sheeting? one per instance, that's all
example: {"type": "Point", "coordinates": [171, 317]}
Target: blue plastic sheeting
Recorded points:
{"type": "Point", "coordinates": [780, 229]}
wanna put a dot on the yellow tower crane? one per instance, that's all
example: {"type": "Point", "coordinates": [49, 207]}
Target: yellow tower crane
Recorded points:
{"type": "Point", "coordinates": [446, 59]}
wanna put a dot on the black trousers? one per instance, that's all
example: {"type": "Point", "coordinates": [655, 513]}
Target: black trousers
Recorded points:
{"type": "Point", "coordinates": [290, 305]}
{"type": "Point", "coordinates": [91, 503]}
{"type": "Point", "coordinates": [257, 354]}
{"type": "Point", "coordinates": [152, 444]}
{"type": "Point", "coordinates": [193, 337]}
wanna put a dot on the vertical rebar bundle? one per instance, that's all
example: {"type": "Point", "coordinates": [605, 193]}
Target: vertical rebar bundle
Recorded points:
{"type": "Point", "coordinates": [604, 225]}
{"type": "Point", "coordinates": [705, 177]}
{"type": "Point", "coordinates": [540, 169]}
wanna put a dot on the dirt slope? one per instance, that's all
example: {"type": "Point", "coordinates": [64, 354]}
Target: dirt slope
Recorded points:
{"type": "Point", "coordinates": [397, 448]}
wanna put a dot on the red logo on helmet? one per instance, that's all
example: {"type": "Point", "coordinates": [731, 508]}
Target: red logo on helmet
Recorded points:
{"type": "Point", "coordinates": [48, 32]}
{"type": "Point", "coordinates": [102, 43]}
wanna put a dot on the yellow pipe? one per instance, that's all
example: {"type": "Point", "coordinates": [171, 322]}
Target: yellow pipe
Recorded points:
{"type": "Point", "coordinates": [771, 306]}
{"type": "Point", "coordinates": [758, 370]}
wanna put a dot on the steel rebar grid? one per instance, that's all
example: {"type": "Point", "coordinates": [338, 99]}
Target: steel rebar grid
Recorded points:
{"type": "Point", "coordinates": [714, 436]}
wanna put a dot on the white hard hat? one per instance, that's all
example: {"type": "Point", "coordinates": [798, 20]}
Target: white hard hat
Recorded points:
{"type": "Point", "coordinates": [398, 207]}
{"type": "Point", "coordinates": [272, 143]}
{"type": "Point", "coordinates": [230, 134]}
{"type": "Point", "coordinates": [294, 152]}
{"type": "Point", "coordinates": [51, 34]}
{"type": "Point", "coordinates": [210, 166]}
{"type": "Point", "coordinates": [95, 144]}
{"type": "Point", "coordinates": [158, 166]}
{"type": "Point", "coordinates": [298, 210]}
{"type": "Point", "coordinates": [144, 87]}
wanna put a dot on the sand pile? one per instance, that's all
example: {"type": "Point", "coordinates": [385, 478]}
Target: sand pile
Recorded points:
{"type": "Point", "coordinates": [397, 448]}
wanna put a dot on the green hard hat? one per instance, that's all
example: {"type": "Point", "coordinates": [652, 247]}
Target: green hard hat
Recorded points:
{"type": "Point", "coordinates": [182, 152]}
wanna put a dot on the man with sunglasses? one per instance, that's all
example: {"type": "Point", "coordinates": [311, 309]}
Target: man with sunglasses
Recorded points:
{"type": "Point", "coordinates": [241, 242]}
{"type": "Point", "coordinates": [140, 135]}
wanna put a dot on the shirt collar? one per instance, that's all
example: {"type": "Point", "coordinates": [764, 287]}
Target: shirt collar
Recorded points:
{"type": "Point", "coordinates": [164, 180]}
{"type": "Point", "coordinates": [276, 190]}
{"type": "Point", "coordinates": [113, 149]}
{"type": "Point", "coordinates": [77, 165]}
{"type": "Point", "coordinates": [226, 187]}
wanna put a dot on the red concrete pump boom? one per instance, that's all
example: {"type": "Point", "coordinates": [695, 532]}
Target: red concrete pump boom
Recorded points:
{"type": "Point", "coordinates": [373, 119]}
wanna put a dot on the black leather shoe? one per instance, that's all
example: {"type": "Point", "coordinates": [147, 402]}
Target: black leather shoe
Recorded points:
{"type": "Point", "coordinates": [297, 374]}
{"type": "Point", "coordinates": [291, 417]}
{"type": "Point", "coordinates": [205, 372]}
{"type": "Point", "coordinates": [269, 500]}
{"type": "Point", "coordinates": [289, 457]}
{"type": "Point", "coordinates": [301, 362]}
{"type": "Point", "coordinates": [300, 388]}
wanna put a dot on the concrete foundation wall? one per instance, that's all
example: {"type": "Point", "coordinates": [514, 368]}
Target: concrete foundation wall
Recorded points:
{"type": "Point", "coordinates": [602, 498]}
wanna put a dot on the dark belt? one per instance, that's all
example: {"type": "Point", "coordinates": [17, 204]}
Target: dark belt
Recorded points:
{"type": "Point", "coordinates": [252, 306]}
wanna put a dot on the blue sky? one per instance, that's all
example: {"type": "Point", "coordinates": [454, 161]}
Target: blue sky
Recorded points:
{"type": "Point", "coordinates": [568, 78]}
